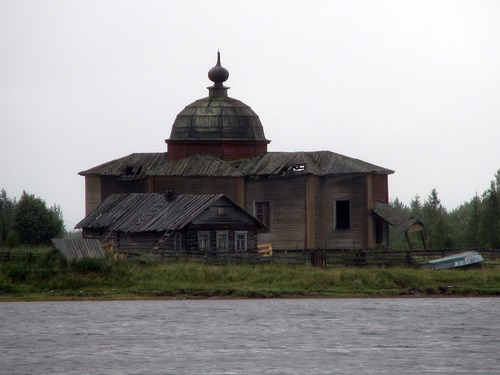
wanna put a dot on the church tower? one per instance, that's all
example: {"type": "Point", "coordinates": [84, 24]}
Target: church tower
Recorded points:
{"type": "Point", "coordinates": [217, 125]}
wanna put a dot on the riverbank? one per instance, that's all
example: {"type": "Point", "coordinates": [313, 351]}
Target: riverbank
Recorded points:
{"type": "Point", "coordinates": [51, 278]}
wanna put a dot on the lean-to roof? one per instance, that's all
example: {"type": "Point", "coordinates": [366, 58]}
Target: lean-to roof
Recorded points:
{"type": "Point", "coordinates": [319, 163]}
{"type": "Point", "coordinates": [397, 218]}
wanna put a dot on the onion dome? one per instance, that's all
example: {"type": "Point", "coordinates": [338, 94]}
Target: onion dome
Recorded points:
{"type": "Point", "coordinates": [218, 74]}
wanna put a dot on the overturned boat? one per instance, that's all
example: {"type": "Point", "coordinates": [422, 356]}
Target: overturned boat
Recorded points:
{"type": "Point", "coordinates": [455, 261]}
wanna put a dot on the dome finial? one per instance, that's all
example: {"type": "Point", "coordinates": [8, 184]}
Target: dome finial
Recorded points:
{"type": "Point", "coordinates": [218, 75]}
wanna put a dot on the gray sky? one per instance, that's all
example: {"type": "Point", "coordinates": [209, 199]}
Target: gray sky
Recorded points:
{"type": "Point", "coordinates": [412, 86]}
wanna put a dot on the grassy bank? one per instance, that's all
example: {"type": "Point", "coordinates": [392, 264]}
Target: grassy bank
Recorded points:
{"type": "Point", "coordinates": [50, 277]}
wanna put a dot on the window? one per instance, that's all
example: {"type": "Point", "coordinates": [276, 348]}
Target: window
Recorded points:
{"type": "Point", "coordinates": [222, 241]}
{"type": "Point", "coordinates": [178, 242]}
{"type": "Point", "coordinates": [204, 241]}
{"type": "Point", "coordinates": [263, 212]}
{"type": "Point", "coordinates": [342, 214]}
{"type": "Point", "coordinates": [240, 241]}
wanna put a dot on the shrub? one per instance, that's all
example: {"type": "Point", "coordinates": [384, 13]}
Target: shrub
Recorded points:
{"type": "Point", "coordinates": [91, 265]}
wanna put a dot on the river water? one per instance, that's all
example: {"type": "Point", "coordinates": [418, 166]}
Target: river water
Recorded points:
{"type": "Point", "coordinates": [291, 336]}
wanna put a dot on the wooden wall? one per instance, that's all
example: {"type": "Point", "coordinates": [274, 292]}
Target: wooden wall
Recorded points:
{"type": "Point", "coordinates": [231, 220]}
{"type": "Point", "coordinates": [287, 201]}
{"type": "Point", "coordinates": [92, 193]}
{"type": "Point", "coordinates": [114, 185]}
{"type": "Point", "coordinates": [223, 150]}
{"type": "Point", "coordinates": [229, 186]}
{"type": "Point", "coordinates": [350, 188]}
{"type": "Point", "coordinates": [302, 207]}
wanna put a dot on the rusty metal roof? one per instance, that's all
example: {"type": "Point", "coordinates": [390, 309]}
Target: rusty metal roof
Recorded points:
{"type": "Point", "coordinates": [270, 164]}
{"type": "Point", "coordinates": [151, 212]}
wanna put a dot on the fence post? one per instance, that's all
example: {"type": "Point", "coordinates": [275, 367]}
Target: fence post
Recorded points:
{"type": "Point", "coordinates": [318, 258]}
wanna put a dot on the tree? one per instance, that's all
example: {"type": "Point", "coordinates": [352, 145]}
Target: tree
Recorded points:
{"type": "Point", "coordinates": [35, 223]}
{"type": "Point", "coordinates": [416, 208]}
{"type": "Point", "coordinates": [397, 237]}
{"type": "Point", "coordinates": [473, 223]}
{"type": "Point", "coordinates": [490, 218]}
{"type": "Point", "coordinates": [436, 223]}
{"type": "Point", "coordinates": [7, 211]}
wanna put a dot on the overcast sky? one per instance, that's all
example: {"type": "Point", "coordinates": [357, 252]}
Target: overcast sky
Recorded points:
{"type": "Point", "coordinates": [413, 86]}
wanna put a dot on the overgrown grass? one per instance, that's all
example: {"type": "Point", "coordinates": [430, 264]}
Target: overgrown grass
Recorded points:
{"type": "Point", "coordinates": [49, 276]}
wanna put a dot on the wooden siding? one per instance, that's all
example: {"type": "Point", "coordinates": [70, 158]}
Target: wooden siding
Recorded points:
{"type": "Point", "coordinates": [93, 196]}
{"type": "Point", "coordinates": [113, 185]}
{"type": "Point", "coordinates": [301, 188]}
{"type": "Point", "coordinates": [380, 187]}
{"type": "Point", "coordinates": [224, 150]}
{"type": "Point", "coordinates": [191, 239]}
{"type": "Point", "coordinates": [312, 204]}
{"type": "Point", "coordinates": [198, 185]}
{"type": "Point", "coordinates": [132, 222]}
{"type": "Point", "coordinates": [377, 191]}
{"type": "Point", "coordinates": [287, 200]}
{"type": "Point", "coordinates": [145, 241]}
{"type": "Point", "coordinates": [350, 188]}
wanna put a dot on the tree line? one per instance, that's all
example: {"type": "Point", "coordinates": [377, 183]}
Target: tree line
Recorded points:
{"type": "Point", "coordinates": [28, 221]}
{"type": "Point", "coordinates": [474, 224]}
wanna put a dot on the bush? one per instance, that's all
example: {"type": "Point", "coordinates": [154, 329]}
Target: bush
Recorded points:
{"type": "Point", "coordinates": [91, 265]}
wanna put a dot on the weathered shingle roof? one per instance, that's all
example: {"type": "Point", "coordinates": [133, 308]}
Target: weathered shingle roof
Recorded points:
{"type": "Point", "coordinates": [319, 163]}
{"type": "Point", "coordinates": [136, 165]}
{"type": "Point", "coordinates": [217, 118]}
{"type": "Point", "coordinates": [396, 218]}
{"type": "Point", "coordinates": [197, 166]}
{"type": "Point", "coordinates": [146, 212]}
{"type": "Point", "coordinates": [78, 248]}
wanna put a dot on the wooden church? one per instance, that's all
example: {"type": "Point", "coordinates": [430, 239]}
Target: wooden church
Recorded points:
{"type": "Point", "coordinates": [308, 200]}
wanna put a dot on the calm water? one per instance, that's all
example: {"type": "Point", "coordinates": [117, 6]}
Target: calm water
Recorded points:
{"type": "Point", "coordinates": [320, 336]}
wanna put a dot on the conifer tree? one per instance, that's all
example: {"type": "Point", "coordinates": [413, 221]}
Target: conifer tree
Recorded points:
{"type": "Point", "coordinates": [490, 218]}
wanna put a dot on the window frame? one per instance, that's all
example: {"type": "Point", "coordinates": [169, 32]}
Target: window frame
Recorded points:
{"type": "Point", "coordinates": [342, 218]}
{"type": "Point", "coordinates": [178, 242]}
{"type": "Point", "coordinates": [206, 235]}
{"type": "Point", "coordinates": [264, 218]}
{"type": "Point", "coordinates": [225, 234]}
{"type": "Point", "coordinates": [245, 241]}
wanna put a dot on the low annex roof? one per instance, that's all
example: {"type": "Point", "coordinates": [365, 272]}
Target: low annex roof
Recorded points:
{"type": "Point", "coordinates": [320, 163]}
{"type": "Point", "coordinates": [149, 212]}
{"type": "Point", "coordinates": [396, 218]}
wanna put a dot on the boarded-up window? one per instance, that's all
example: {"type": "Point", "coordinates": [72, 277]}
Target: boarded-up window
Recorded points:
{"type": "Point", "coordinates": [263, 212]}
{"type": "Point", "coordinates": [240, 239]}
{"type": "Point", "coordinates": [204, 241]}
{"type": "Point", "coordinates": [342, 214]}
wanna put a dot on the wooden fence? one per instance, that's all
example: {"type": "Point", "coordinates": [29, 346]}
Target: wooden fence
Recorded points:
{"type": "Point", "coordinates": [318, 258]}
{"type": "Point", "coordinates": [332, 258]}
